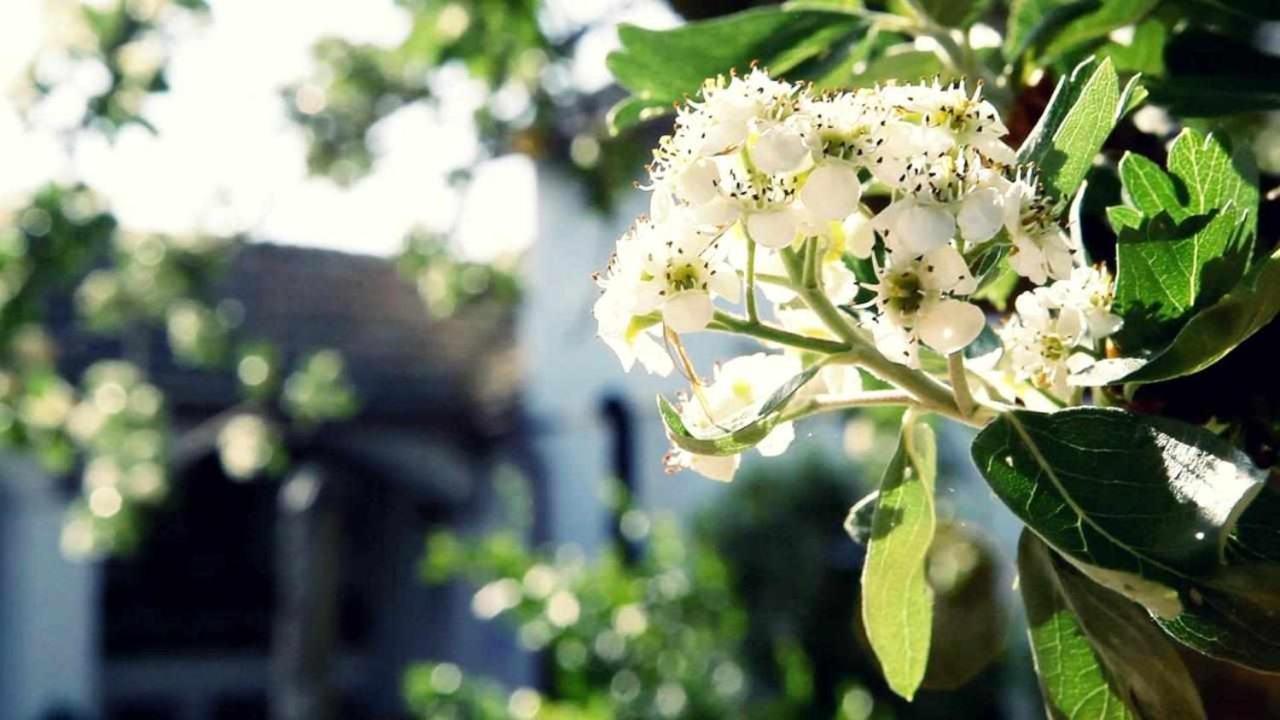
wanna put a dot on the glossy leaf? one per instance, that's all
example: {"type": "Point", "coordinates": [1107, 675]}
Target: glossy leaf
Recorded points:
{"type": "Point", "coordinates": [1097, 654]}
{"type": "Point", "coordinates": [897, 601]}
{"type": "Point", "coordinates": [1081, 114]}
{"type": "Point", "coordinates": [1149, 501]}
{"type": "Point", "coordinates": [1228, 627]}
{"type": "Point", "coordinates": [1193, 242]}
{"type": "Point", "coordinates": [662, 67]}
{"type": "Point", "coordinates": [739, 433]}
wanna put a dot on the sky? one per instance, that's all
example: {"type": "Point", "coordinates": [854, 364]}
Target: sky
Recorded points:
{"type": "Point", "coordinates": [225, 158]}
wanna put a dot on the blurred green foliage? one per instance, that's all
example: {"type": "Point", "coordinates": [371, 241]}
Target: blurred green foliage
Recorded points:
{"type": "Point", "coordinates": [528, 101]}
{"type": "Point", "coordinates": [723, 621]}
{"type": "Point", "coordinates": [109, 426]}
{"type": "Point", "coordinates": [448, 284]}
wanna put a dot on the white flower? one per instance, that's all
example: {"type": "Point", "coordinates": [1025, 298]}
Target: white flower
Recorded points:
{"type": "Point", "coordinates": [781, 147]}
{"type": "Point", "coordinates": [740, 389]}
{"type": "Point", "coordinates": [1057, 328]}
{"type": "Point", "coordinates": [681, 269]}
{"type": "Point", "coordinates": [715, 467]}
{"type": "Point", "coordinates": [1041, 249]}
{"type": "Point", "coordinates": [830, 193]}
{"type": "Point", "coordinates": [912, 227]}
{"type": "Point", "coordinates": [917, 297]}
{"type": "Point", "coordinates": [774, 228]}
{"type": "Point", "coordinates": [981, 215]}
{"type": "Point", "coordinates": [1089, 290]}
{"type": "Point", "coordinates": [629, 338]}
{"type": "Point", "coordinates": [858, 234]}
{"type": "Point", "coordinates": [1044, 342]}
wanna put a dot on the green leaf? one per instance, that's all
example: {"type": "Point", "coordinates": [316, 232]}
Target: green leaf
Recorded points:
{"type": "Point", "coordinates": [1097, 654]}
{"type": "Point", "coordinates": [904, 66]}
{"type": "Point", "coordinates": [1093, 25]}
{"type": "Point", "coordinates": [947, 13]}
{"type": "Point", "coordinates": [858, 522]}
{"type": "Point", "coordinates": [1144, 53]}
{"type": "Point", "coordinates": [1207, 337]}
{"type": "Point", "coordinates": [1228, 627]}
{"type": "Point", "coordinates": [897, 601]}
{"type": "Point", "coordinates": [1031, 20]}
{"type": "Point", "coordinates": [1141, 498]}
{"type": "Point", "coordinates": [663, 67]}
{"type": "Point", "coordinates": [1194, 240]}
{"type": "Point", "coordinates": [1081, 114]}
{"type": "Point", "coordinates": [737, 434]}
{"type": "Point", "coordinates": [1209, 74]}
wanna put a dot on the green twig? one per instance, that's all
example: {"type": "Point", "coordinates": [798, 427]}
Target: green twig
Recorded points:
{"type": "Point", "coordinates": [725, 322]}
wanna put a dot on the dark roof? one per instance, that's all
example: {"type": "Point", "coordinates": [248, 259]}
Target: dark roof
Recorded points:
{"type": "Point", "coordinates": [407, 367]}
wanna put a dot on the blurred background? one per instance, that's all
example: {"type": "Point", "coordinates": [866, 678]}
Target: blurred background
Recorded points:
{"type": "Point", "coordinates": [302, 414]}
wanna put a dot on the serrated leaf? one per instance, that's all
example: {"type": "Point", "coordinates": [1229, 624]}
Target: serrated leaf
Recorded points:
{"type": "Point", "coordinates": [1081, 114]}
{"type": "Point", "coordinates": [1097, 654]}
{"type": "Point", "coordinates": [897, 601]}
{"type": "Point", "coordinates": [1193, 242]}
{"type": "Point", "coordinates": [662, 67]}
{"type": "Point", "coordinates": [739, 433]}
{"type": "Point", "coordinates": [1149, 497]}
{"type": "Point", "coordinates": [1207, 337]}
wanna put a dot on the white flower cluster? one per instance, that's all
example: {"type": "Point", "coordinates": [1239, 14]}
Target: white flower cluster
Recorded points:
{"type": "Point", "coordinates": [757, 170]}
{"type": "Point", "coordinates": [1056, 331]}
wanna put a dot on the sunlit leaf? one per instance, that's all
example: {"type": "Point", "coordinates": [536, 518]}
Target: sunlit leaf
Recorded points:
{"type": "Point", "coordinates": [1081, 114]}
{"type": "Point", "coordinates": [1193, 242]}
{"type": "Point", "coordinates": [1148, 498]}
{"type": "Point", "coordinates": [663, 67]}
{"type": "Point", "coordinates": [897, 601]}
{"type": "Point", "coordinates": [1207, 337]}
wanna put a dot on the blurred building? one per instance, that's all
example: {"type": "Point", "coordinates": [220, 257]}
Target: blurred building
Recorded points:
{"type": "Point", "coordinates": [184, 629]}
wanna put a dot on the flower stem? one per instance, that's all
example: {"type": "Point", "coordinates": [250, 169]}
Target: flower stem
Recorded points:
{"type": "Point", "coordinates": [752, 313]}
{"type": "Point", "coordinates": [827, 403]}
{"type": "Point", "coordinates": [778, 280]}
{"type": "Point", "coordinates": [725, 322]}
{"type": "Point", "coordinates": [808, 275]}
{"type": "Point", "coordinates": [960, 383]}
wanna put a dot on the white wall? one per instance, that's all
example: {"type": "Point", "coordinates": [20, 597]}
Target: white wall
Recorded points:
{"type": "Point", "coordinates": [48, 617]}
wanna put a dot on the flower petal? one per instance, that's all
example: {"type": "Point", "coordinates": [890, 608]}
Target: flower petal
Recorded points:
{"type": "Point", "coordinates": [921, 228]}
{"type": "Point", "coordinates": [981, 215]}
{"type": "Point", "coordinates": [949, 325]}
{"type": "Point", "coordinates": [780, 149]}
{"type": "Point", "coordinates": [715, 467]}
{"type": "Point", "coordinates": [944, 269]}
{"type": "Point", "coordinates": [777, 441]}
{"type": "Point", "coordinates": [697, 184]}
{"type": "Point", "coordinates": [831, 192]}
{"type": "Point", "coordinates": [688, 311]}
{"type": "Point", "coordinates": [860, 235]}
{"type": "Point", "coordinates": [773, 229]}
{"type": "Point", "coordinates": [725, 283]}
